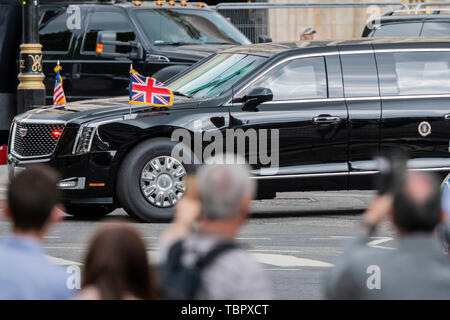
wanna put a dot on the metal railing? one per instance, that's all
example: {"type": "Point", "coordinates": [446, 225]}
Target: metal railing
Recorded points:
{"type": "Point", "coordinates": [252, 18]}
{"type": "Point", "coordinates": [417, 11]}
{"type": "Point", "coordinates": [422, 8]}
{"type": "Point", "coordinates": [276, 5]}
{"type": "Point", "coordinates": [419, 6]}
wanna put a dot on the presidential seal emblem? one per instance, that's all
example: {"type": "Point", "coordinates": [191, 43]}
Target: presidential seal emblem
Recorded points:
{"type": "Point", "coordinates": [424, 128]}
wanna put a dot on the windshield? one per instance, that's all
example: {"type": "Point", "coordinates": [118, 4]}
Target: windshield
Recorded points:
{"type": "Point", "coordinates": [187, 26]}
{"type": "Point", "coordinates": [216, 75]}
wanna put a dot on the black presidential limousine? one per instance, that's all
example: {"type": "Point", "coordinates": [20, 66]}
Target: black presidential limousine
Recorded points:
{"type": "Point", "coordinates": [332, 105]}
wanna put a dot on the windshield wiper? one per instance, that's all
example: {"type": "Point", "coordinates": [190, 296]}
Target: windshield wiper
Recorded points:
{"type": "Point", "coordinates": [178, 93]}
{"type": "Point", "coordinates": [218, 82]}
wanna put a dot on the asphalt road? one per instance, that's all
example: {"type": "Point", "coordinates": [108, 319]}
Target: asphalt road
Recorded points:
{"type": "Point", "coordinates": [296, 236]}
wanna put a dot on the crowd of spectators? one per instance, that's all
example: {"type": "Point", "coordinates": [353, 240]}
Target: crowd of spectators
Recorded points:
{"type": "Point", "coordinates": [199, 257]}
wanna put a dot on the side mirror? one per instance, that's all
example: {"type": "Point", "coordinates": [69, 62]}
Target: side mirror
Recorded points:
{"type": "Point", "coordinates": [103, 38]}
{"type": "Point", "coordinates": [264, 39]}
{"type": "Point", "coordinates": [107, 43]}
{"type": "Point", "coordinates": [255, 97]}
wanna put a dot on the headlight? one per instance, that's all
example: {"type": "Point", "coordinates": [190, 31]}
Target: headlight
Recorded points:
{"type": "Point", "coordinates": [86, 135]}
{"type": "Point", "coordinates": [84, 139]}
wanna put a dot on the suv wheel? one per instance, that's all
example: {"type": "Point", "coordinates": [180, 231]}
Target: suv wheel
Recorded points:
{"type": "Point", "coordinates": [151, 181]}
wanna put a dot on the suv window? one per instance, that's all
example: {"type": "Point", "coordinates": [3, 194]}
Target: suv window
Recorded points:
{"type": "Point", "coordinates": [173, 26]}
{"type": "Point", "coordinates": [360, 75]}
{"type": "Point", "coordinates": [431, 29]}
{"type": "Point", "coordinates": [411, 29]}
{"type": "Point", "coordinates": [53, 32]}
{"type": "Point", "coordinates": [108, 21]}
{"type": "Point", "coordinates": [405, 73]}
{"type": "Point", "coordinates": [298, 79]}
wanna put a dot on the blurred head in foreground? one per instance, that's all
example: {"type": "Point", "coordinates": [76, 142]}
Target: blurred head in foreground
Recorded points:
{"type": "Point", "coordinates": [32, 201]}
{"type": "Point", "coordinates": [116, 266]}
{"type": "Point", "coordinates": [416, 206]}
{"type": "Point", "coordinates": [225, 192]}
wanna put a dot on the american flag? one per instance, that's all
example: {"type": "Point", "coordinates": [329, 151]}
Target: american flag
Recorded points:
{"type": "Point", "coordinates": [58, 91]}
{"type": "Point", "coordinates": [149, 91]}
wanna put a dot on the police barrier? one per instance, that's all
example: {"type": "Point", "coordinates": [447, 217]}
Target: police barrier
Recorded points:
{"type": "Point", "coordinates": [285, 21]}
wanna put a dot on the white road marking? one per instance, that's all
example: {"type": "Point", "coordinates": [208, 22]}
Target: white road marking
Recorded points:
{"type": "Point", "coordinates": [375, 243]}
{"type": "Point", "coordinates": [280, 269]}
{"type": "Point", "coordinates": [46, 237]}
{"type": "Point", "coordinates": [341, 237]}
{"type": "Point", "coordinates": [273, 250]}
{"type": "Point", "coordinates": [279, 260]}
{"type": "Point", "coordinates": [70, 248]}
{"type": "Point", "coordinates": [253, 238]}
{"type": "Point", "coordinates": [331, 238]}
{"type": "Point", "coordinates": [282, 260]}
{"type": "Point", "coordinates": [153, 256]}
{"type": "Point", "coordinates": [64, 262]}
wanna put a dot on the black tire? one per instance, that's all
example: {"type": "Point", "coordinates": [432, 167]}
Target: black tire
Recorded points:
{"type": "Point", "coordinates": [89, 211]}
{"type": "Point", "coordinates": [265, 195]}
{"type": "Point", "coordinates": [128, 188]}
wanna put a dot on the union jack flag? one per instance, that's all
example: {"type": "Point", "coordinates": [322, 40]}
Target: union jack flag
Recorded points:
{"type": "Point", "coordinates": [149, 91]}
{"type": "Point", "coordinates": [58, 91]}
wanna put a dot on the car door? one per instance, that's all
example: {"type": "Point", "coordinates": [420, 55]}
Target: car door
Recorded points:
{"type": "Point", "coordinates": [309, 115]}
{"type": "Point", "coordinates": [364, 110]}
{"type": "Point", "coordinates": [97, 76]}
{"type": "Point", "coordinates": [415, 89]}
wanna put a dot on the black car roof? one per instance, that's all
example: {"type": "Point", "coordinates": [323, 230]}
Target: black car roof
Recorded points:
{"type": "Point", "coordinates": [271, 49]}
{"type": "Point", "coordinates": [412, 17]}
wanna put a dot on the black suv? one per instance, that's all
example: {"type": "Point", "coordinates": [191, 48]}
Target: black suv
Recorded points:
{"type": "Point", "coordinates": [160, 40]}
{"type": "Point", "coordinates": [330, 108]}
{"type": "Point", "coordinates": [412, 24]}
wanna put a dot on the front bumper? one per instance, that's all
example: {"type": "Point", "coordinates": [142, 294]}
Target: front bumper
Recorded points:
{"type": "Point", "coordinates": [86, 179]}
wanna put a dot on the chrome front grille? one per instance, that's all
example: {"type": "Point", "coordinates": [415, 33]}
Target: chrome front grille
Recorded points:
{"type": "Point", "coordinates": [31, 140]}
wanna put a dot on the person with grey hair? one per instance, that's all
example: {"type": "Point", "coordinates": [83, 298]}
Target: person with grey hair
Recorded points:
{"type": "Point", "coordinates": [222, 190]}
{"type": "Point", "coordinates": [203, 232]}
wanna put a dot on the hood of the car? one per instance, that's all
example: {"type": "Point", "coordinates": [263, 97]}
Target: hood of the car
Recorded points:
{"type": "Point", "coordinates": [87, 110]}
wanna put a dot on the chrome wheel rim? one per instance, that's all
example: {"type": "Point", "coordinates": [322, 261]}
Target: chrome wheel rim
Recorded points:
{"type": "Point", "coordinates": [163, 181]}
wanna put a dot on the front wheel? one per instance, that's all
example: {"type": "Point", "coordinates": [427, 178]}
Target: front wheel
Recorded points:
{"type": "Point", "coordinates": [151, 180]}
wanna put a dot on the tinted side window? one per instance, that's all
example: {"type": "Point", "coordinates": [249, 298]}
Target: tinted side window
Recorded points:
{"type": "Point", "coordinates": [108, 21]}
{"type": "Point", "coordinates": [297, 79]}
{"type": "Point", "coordinates": [53, 32]}
{"type": "Point", "coordinates": [435, 29]}
{"type": "Point", "coordinates": [360, 75]}
{"type": "Point", "coordinates": [398, 30]}
{"type": "Point", "coordinates": [404, 73]}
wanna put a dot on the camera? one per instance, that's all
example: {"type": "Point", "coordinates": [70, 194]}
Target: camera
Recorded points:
{"type": "Point", "coordinates": [392, 169]}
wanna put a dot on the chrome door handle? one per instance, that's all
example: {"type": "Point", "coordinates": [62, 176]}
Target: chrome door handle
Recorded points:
{"type": "Point", "coordinates": [326, 120]}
